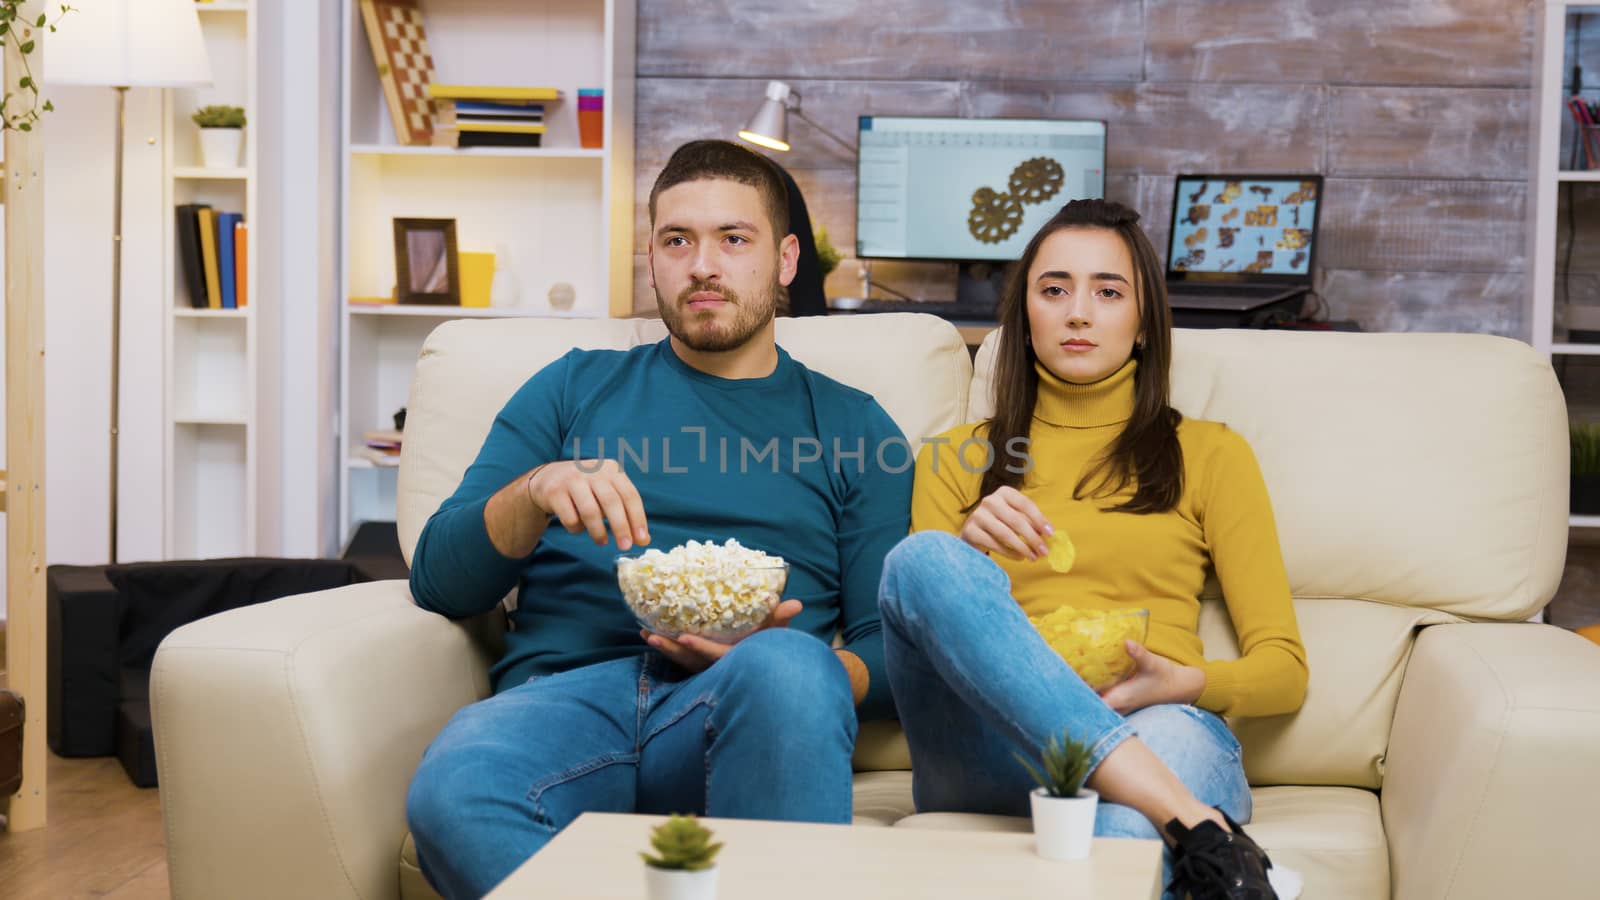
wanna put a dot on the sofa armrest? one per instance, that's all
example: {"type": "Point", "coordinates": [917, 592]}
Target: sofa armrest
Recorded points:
{"type": "Point", "coordinates": [287, 733]}
{"type": "Point", "coordinates": [1491, 785]}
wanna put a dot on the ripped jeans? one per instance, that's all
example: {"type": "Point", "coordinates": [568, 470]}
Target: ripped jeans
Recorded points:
{"type": "Point", "coordinates": [975, 684]}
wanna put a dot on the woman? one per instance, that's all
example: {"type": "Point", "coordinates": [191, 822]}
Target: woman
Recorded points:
{"type": "Point", "coordinates": [1151, 501]}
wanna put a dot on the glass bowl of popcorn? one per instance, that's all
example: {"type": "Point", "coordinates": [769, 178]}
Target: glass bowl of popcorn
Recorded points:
{"type": "Point", "coordinates": [722, 592]}
{"type": "Point", "coordinates": [1090, 640]}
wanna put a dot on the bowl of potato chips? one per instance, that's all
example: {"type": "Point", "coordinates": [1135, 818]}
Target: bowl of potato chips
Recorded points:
{"type": "Point", "coordinates": [1090, 640]}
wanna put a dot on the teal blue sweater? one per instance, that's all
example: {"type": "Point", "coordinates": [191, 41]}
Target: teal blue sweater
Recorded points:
{"type": "Point", "coordinates": [776, 467]}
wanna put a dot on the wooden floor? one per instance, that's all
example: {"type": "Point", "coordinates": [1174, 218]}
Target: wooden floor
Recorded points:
{"type": "Point", "coordinates": [103, 838]}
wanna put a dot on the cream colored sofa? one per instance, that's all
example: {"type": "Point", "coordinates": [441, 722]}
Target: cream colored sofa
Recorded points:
{"type": "Point", "coordinates": [1447, 748]}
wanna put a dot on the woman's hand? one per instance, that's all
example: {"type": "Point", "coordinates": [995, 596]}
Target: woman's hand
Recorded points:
{"type": "Point", "coordinates": [1008, 523]}
{"type": "Point", "coordinates": [1154, 680]}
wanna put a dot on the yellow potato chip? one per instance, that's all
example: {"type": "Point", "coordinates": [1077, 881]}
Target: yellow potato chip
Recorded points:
{"type": "Point", "coordinates": [1061, 554]}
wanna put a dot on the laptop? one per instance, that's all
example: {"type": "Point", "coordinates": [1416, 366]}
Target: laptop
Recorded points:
{"type": "Point", "coordinates": [1240, 242]}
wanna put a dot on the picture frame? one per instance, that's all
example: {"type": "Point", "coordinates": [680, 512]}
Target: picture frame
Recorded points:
{"type": "Point", "coordinates": [427, 266]}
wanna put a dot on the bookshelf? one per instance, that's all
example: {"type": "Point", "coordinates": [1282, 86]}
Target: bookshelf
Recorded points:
{"type": "Point", "coordinates": [556, 213]}
{"type": "Point", "coordinates": [211, 393]}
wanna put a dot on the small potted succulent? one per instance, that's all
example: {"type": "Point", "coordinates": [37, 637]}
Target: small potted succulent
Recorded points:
{"type": "Point", "coordinates": [1063, 809]}
{"type": "Point", "coordinates": [221, 135]}
{"type": "Point", "coordinates": [685, 865]}
{"type": "Point", "coordinates": [1585, 497]}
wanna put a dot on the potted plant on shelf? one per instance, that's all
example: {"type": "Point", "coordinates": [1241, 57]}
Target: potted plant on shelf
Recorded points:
{"type": "Point", "coordinates": [1585, 498]}
{"type": "Point", "coordinates": [221, 135]}
{"type": "Point", "coordinates": [1063, 809]}
{"type": "Point", "coordinates": [685, 868]}
{"type": "Point", "coordinates": [827, 256]}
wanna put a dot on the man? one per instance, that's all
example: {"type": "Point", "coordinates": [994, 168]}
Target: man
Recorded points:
{"type": "Point", "coordinates": [714, 433]}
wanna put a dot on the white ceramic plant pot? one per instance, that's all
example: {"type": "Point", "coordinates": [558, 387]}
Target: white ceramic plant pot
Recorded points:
{"type": "Point", "coordinates": [678, 884]}
{"type": "Point", "coordinates": [219, 147]}
{"type": "Point", "coordinates": [1063, 827]}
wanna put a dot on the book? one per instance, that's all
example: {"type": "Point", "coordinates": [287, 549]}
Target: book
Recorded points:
{"type": "Point", "coordinates": [227, 273]}
{"type": "Point", "coordinates": [448, 112]}
{"type": "Point", "coordinates": [491, 92]}
{"type": "Point", "coordinates": [455, 137]}
{"type": "Point", "coordinates": [490, 108]}
{"type": "Point", "coordinates": [241, 240]}
{"type": "Point", "coordinates": [501, 127]}
{"type": "Point", "coordinates": [379, 457]}
{"type": "Point", "coordinates": [208, 257]}
{"type": "Point", "coordinates": [194, 273]}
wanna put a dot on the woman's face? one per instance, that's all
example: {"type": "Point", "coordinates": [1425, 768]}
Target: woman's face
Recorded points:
{"type": "Point", "coordinates": [1083, 310]}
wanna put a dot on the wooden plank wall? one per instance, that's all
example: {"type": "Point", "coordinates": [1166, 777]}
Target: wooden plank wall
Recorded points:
{"type": "Point", "coordinates": [1417, 112]}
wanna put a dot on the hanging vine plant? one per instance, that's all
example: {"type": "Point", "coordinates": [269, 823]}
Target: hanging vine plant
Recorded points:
{"type": "Point", "coordinates": [23, 36]}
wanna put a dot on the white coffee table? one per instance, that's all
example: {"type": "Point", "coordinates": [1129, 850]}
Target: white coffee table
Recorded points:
{"type": "Point", "coordinates": [597, 858]}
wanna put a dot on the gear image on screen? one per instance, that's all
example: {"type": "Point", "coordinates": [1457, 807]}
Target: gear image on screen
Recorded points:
{"type": "Point", "coordinates": [968, 189]}
{"type": "Point", "coordinates": [1251, 226]}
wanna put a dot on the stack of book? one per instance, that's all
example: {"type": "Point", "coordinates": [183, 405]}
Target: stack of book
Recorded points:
{"type": "Point", "coordinates": [211, 253]}
{"type": "Point", "coordinates": [382, 447]}
{"type": "Point", "coordinates": [477, 116]}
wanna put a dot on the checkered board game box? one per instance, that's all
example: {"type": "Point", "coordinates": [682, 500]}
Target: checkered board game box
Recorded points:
{"type": "Point", "coordinates": [400, 48]}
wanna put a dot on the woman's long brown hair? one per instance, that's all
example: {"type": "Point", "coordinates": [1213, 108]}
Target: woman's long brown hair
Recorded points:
{"type": "Point", "coordinates": [1147, 451]}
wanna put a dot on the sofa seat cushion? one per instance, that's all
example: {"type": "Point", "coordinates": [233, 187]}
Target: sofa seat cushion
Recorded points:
{"type": "Point", "coordinates": [1332, 836]}
{"type": "Point", "coordinates": [882, 798]}
{"type": "Point", "coordinates": [413, 884]}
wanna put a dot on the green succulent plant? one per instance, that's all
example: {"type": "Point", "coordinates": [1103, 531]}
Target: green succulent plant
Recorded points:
{"type": "Point", "coordinates": [219, 116]}
{"type": "Point", "coordinates": [1066, 765]}
{"type": "Point", "coordinates": [683, 843]}
{"type": "Point", "coordinates": [1585, 449]}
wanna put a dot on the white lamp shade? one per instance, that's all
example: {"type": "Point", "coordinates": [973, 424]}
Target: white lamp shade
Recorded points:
{"type": "Point", "coordinates": [769, 127]}
{"type": "Point", "coordinates": [128, 43]}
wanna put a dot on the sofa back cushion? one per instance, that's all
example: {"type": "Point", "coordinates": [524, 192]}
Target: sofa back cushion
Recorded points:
{"type": "Point", "coordinates": [1414, 478]}
{"type": "Point", "coordinates": [916, 366]}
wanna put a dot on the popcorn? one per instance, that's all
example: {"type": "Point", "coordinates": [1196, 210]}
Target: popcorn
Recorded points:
{"type": "Point", "coordinates": [718, 591]}
{"type": "Point", "coordinates": [1091, 640]}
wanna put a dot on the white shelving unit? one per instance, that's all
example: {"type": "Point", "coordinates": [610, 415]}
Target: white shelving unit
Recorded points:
{"type": "Point", "coordinates": [560, 212]}
{"type": "Point", "coordinates": [211, 396]}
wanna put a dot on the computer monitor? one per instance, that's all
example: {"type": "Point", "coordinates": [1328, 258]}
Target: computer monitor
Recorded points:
{"type": "Point", "coordinates": [957, 189]}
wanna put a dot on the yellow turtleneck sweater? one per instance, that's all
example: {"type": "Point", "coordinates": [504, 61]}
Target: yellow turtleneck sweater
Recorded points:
{"type": "Point", "coordinates": [1153, 561]}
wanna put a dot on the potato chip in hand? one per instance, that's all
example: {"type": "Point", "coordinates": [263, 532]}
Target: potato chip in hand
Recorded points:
{"type": "Point", "coordinates": [1061, 554]}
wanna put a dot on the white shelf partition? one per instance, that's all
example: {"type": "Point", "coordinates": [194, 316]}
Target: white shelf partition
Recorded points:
{"type": "Point", "coordinates": [556, 214]}
{"type": "Point", "coordinates": [212, 357]}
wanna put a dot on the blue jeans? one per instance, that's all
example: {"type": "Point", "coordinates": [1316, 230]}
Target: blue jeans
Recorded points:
{"type": "Point", "coordinates": [975, 683]}
{"type": "Point", "coordinates": [765, 733]}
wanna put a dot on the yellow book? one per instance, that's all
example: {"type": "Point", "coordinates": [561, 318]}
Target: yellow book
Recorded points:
{"type": "Point", "coordinates": [502, 94]}
{"type": "Point", "coordinates": [500, 127]}
{"type": "Point", "coordinates": [208, 257]}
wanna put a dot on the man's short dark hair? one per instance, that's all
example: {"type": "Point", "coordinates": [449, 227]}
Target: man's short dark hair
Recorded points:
{"type": "Point", "coordinates": [699, 160]}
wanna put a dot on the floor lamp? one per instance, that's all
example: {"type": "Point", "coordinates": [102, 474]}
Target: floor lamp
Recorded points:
{"type": "Point", "coordinates": [122, 44]}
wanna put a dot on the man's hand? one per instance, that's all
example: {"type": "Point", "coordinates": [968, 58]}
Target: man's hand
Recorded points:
{"type": "Point", "coordinates": [1008, 523]}
{"type": "Point", "coordinates": [1155, 679]}
{"type": "Point", "coordinates": [696, 654]}
{"type": "Point", "coordinates": [588, 495]}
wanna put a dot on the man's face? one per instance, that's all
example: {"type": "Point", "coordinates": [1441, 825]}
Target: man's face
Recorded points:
{"type": "Point", "coordinates": [715, 263]}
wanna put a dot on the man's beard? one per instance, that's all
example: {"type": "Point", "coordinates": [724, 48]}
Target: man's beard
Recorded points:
{"type": "Point", "coordinates": [749, 317]}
